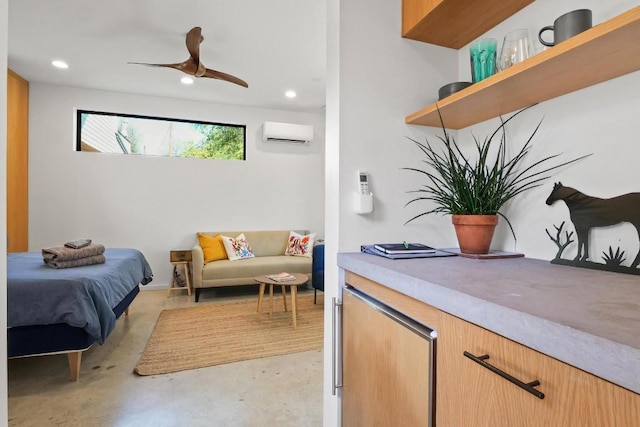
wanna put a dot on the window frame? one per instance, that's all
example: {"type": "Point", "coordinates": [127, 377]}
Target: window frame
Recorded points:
{"type": "Point", "coordinates": [80, 112]}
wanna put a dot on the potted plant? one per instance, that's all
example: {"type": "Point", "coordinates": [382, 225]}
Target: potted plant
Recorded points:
{"type": "Point", "coordinates": [474, 189]}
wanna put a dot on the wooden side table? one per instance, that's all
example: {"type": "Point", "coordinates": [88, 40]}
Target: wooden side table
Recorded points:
{"type": "Point", "coordinates": [293, 284]}
{"type": "Point", "coordinates": [180, 258]}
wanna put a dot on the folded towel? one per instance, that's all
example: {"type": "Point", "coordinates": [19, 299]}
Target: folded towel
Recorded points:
{"type": "Point", "coordinates": [62, 253]}
{"type": "Point", "coordinates": [77, 244]}
{"type": "Point", "coordinates": [96, 259]}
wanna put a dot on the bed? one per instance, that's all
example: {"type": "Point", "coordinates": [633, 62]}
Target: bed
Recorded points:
{"type": "Point", "coordinates": [52, 311]}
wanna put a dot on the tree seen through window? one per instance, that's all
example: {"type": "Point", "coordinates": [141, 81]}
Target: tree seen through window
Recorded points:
{"type": "Point", "coordinates": [128, 134]}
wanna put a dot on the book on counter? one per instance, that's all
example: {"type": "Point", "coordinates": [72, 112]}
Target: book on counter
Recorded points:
{"type": "Point", "coordinates": [371, 249]}
{"type": "Point", "coordinates": [281, 277]}
{"type": "Point", "coordinates": [404, 248]}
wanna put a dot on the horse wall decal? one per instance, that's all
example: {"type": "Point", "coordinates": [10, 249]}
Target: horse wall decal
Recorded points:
{"type": "Point", "coordinates": [587, 212]}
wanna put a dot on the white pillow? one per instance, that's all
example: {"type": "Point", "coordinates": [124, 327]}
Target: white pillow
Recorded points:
{"type": "Point", "coordinates": [299, 245]}
{"type": "Point", "coordinates": [237, 248]}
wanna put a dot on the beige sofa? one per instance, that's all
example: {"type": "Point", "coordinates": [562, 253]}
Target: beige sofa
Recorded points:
{"type": "Point", "coordinates": [268, 247]}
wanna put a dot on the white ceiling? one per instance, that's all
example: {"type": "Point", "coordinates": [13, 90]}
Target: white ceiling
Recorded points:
{"type": "Point", "coordinates": [273, 45]}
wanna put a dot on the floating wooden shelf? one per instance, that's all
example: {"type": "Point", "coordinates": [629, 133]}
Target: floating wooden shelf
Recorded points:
{"type": "Point", "coordinates": [454, 23]}
{"type": "Point", "coordinates": [606, 51]}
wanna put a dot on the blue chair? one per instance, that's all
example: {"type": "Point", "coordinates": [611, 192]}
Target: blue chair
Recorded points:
{"type": "Point", "coordinates": [317, 270]}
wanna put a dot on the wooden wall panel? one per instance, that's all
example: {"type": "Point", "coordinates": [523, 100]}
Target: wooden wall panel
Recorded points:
{"type": "Point", "coordinates": [17, 163]}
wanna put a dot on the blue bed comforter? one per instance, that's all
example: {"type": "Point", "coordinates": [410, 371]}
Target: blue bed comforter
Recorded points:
{"type": "Point", "coordinates": [82, 297]}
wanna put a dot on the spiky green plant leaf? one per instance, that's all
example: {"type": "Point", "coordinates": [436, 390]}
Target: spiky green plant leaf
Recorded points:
{"type": "Point", "coordinates": [461, 185]}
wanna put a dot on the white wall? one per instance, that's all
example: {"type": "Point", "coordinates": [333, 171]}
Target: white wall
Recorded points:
{"type": "Point", "coordinates": [332, 203]}
{"type": "Point", "coordinates": [383, 77]}
{"type": "Point", "coordinates": [600, 120]}
{"type": "Point", "coordinates": [156, 204]}
{"type": "Point", "coordinates": [3, 210]}
{"type": "Point", "coordinates": [374, 79]}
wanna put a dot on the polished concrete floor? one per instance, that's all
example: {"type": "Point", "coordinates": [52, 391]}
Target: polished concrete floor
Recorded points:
{"type": "Point", "coordinates": [275, 391]}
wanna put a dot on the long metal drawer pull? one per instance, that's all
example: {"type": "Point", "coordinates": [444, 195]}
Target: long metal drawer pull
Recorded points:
{"type": "Point", "coordinates": [336, 354]}
{"type": "Point", "coordinates": [527, 386]}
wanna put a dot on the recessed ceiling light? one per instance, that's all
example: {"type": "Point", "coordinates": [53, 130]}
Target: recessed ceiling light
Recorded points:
{"type": "Point", "coordinates": [59, 64]}
{"type": "Point", "coordinates": [290, 94]}
{"type": "Point", "coordinates": [187, 80]}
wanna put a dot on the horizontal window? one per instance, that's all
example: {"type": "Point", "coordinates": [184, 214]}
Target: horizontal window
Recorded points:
{"type": "Point", "coordinates": [102, 132]}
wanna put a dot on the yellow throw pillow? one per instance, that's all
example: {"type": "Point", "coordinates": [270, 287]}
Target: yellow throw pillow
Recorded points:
{"type": "Point", "coordinates": [212, 247]}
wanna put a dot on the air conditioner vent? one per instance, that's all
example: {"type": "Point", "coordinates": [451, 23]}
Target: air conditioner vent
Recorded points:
{"type": "Point", "coordinates": [287, 133]}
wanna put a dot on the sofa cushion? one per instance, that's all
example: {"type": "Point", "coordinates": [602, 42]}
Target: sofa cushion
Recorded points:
{"type": "Point", "coordinates": [267, 243]}
{"type": "Point", "coordinates": [299, 245]}
{"type": "Point", "coordinates": [212, 247]}
{"type": "Point", "coordinates": [237, 248]}
{"type": "Point", "coordinates": [258, 266]}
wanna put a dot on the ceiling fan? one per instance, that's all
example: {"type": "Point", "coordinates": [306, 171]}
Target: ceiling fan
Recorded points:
{"type": "Point", "coordinates": [193, 66]}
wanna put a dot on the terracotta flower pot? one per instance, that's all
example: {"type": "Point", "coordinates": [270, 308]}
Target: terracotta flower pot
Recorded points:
{"type": "Point", "coordinates": [474, 232]}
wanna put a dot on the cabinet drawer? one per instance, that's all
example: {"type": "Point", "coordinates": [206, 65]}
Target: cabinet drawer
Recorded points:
{"type": "Point", "coordinates": [468, 393]}
{"type": "Point", "coordinates": [180, 256]}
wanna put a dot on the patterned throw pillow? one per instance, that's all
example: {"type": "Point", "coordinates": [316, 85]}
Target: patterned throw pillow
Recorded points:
{"type": "Point", "coordinates": [300, 245]}
{"type": "Point", "coordinates": [237, 248]}
{"type": "Point", "coordinates": [212, 247]}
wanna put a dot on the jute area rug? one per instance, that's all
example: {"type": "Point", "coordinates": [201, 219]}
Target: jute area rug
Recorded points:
{"type": "Point", "coordinates": [214, 334]}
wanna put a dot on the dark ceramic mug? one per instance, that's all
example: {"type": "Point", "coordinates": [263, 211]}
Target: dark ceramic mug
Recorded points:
{"type": "Point", "coordinates": [567, 26]}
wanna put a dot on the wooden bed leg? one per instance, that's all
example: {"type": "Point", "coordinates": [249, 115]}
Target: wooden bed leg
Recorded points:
{"type": "Point", "coordinates": [126, 311]}
{"type": "Point", "coordinates": [74, 359]}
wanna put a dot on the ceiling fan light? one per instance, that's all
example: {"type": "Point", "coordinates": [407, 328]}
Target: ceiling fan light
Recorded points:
{"type": "Point", "coordinates": [59, 64]}
{"type": "Point", "coordinates": [186, 80]}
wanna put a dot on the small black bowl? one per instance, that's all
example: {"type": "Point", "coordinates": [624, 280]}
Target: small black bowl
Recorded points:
{"type": "Point", "coordinates": [451, 88]}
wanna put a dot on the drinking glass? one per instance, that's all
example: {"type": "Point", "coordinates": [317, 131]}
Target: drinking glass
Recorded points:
{"type": "Point", "coordinates": [516, 47]}
{"type": "Point", "coordinates": [483, 59]}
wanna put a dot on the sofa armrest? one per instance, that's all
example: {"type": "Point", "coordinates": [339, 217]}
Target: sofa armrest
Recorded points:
{"type": "Point", "coordinates": [197, 260]}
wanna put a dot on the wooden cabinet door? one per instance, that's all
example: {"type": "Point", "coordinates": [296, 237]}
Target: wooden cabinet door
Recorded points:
{"type": "Point", "coordinates": [386, 369]}
{"type": "Point", "coordinates": [17, 163]}
{"type": "Point", "coordinates": [469, 394]}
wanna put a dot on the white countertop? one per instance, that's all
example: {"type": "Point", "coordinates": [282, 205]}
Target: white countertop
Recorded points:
{"type": "Point", "coordinates": [589, 319]}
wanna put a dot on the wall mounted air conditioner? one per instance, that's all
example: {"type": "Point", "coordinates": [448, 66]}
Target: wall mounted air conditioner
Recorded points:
{"type": "Point", "coordinates": [287, 132]}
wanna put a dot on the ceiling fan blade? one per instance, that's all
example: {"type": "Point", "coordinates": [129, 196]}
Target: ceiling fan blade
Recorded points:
{"type": "Point", "coordinates": [213, 74]}
{"type": "Point", "coordinates": [194, 38]}
{"type": "Point", "coordinates": [188, 67]}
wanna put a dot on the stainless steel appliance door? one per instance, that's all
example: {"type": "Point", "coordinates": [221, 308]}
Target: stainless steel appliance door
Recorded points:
{"type": "Point", "coordinates": [387, 365]}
